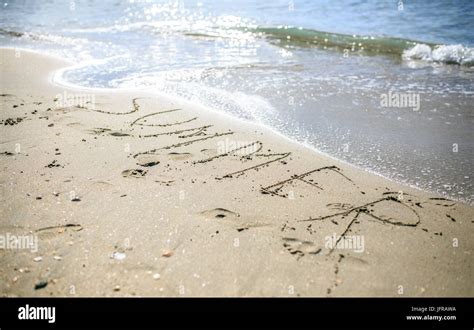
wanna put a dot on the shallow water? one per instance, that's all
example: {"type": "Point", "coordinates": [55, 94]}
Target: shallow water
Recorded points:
{"type": "Point", "coordinates": [275, 64]}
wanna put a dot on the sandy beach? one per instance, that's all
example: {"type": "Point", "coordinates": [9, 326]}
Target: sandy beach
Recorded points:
{"type": "Point", "coordinates": [134, 194]}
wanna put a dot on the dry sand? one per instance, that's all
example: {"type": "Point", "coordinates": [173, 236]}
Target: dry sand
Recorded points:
{"type": "Point", "coordinates": [127, 198]}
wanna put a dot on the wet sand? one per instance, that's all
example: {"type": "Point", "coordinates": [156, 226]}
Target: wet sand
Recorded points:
{"type": "Point", "coordinates": [133, 194]}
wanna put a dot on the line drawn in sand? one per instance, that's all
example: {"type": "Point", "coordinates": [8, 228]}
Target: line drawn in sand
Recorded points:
{"type": "Point", "coordinates": [276, 188]}
{"type": "Point", "coordinates": [200, 131]}
{"type": "Point", "coordinates": [364, 209]}
{"type": "Point", "coordinates": [136, 107]}
{"type": "Point", "coordinates": [256, 146]}
{"type": "Point", "coordinates": [374, 209]}
{"type": "Point", "coordinates": [142, 118]}
{"type": "Point", "coordinates": [280, 156]}
{"type": "Point", "coordinates": [181, 144]}
{"type": "Point", "coordinates": [369, 210]}
{"type": "Point", "coordinates": [137, 122]}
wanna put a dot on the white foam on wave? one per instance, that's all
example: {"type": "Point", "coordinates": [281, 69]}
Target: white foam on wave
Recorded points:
{"type": "Point", "coordinates": [457, 54]}
{"type": "Point", "coordinates": [185, 84]}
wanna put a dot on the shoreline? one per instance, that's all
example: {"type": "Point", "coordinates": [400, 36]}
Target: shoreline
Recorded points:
{"type": "Point", "coordinates": [57, 81]}
{"type": "Point", "coordinates": [201, 203]}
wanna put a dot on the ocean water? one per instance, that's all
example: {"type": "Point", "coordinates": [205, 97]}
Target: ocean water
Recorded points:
{"type": "Point", "coordinates": [384, 85]}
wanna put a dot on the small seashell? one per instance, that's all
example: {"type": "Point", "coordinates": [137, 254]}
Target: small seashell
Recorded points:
{"type": "Point", "coordinates": [119, 255]}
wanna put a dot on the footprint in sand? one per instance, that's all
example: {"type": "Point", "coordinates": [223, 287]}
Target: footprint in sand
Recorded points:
{"type": "Point", "coordinates": [209, 152]}
{"type": "Point", "coordinates": [101, 186]}
{"type": "Point", "coordinates": [99, 131]}
{"type": "Point", "coordinates": [148, 161]}
{"type": "Point", "coordinates": [158, 158]}
{"type": "Point", "coordinates": [232, 219]}
{"type": "Point", "coordinates": [134, 173]}
{"type": "Point", "coordinates": [220, 213]}
{"type": "Point", "coordinates": [180, 155]}
{"type": "Point", "coordinates": [73, 124]}
{"type": "Point", "coordinates": [65, 110]}
{"type": "Point", "coordinates": [101, 183]}
{"type": "Point", "coordinates": [119, 134]}
{"type": "Point", "coordinates": [299, 247]}
{"type": "Point", "coordinates": [339, 206]}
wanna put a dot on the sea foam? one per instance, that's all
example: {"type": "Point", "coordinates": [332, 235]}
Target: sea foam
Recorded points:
{"type": "Point", "coordinates": [452, 54]}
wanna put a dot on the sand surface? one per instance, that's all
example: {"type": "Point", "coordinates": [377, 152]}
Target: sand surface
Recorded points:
{"type": "Point", "coordinates": [132, 194]}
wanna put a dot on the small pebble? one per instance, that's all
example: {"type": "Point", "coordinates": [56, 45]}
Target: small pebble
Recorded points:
{"type": "Point", "coordinates": [167, 253]}
{"type": "Point", "coordinates": [41, 285]}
